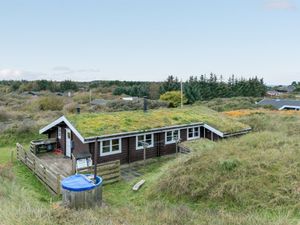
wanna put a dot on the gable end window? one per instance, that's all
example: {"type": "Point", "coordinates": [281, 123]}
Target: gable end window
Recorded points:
{"type": "Point", "coordinates": [148, 138]}
{"type": "Point", "coordinates": [171, 136]}
{"type": "Point", "coordinates": [193, 133]}
{"type": "Point", "coordinates": [110, 147]}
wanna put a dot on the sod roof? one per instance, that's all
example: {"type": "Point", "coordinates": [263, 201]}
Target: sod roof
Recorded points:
{"type": "Point", "coordinates": [100, 124]}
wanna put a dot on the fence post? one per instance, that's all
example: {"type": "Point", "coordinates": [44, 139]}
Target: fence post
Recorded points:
{"type": "Point", "coordinates": [58, 178]}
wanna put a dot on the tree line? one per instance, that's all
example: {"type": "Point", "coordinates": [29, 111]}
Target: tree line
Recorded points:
{"type": "Point", "coordinates": [206, 88]}
{"type": "Point", "coordinates": [196, 88]}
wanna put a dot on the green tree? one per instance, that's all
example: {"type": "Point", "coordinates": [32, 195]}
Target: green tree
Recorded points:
{"type": "Point", "coordinates": [173, 98]}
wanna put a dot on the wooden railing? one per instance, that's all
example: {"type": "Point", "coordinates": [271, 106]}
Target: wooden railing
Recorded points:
{"type": "Point", "coordinates": [183, 149]}
{"type": "Point", "coordinates": [109, 171]}
{"type": "Point", "coordinates": [48, 177]}
{"type": "Point", "coordinates": [37, 146]}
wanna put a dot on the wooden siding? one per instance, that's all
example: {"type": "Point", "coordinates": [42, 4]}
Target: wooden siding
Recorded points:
{"type": "Point", "coordinates": [129, 152]}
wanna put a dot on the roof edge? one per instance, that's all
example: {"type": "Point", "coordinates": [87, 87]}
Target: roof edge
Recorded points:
{"type": "Point", "coordinates": [58, 121]}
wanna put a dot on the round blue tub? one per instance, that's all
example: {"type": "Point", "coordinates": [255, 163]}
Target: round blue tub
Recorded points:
{"type": "Point", "coordinates": [79, 191]}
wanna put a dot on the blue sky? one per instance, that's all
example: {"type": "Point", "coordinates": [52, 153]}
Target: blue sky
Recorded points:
{"type": "Point", "coordinates": [149, 39]}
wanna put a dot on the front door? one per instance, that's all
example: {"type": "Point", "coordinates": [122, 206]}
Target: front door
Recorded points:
{"type": "Point", "coordinates": [68, 142]}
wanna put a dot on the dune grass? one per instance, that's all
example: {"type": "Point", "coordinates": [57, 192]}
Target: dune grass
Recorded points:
{"type": "Point", "coordinates": [259, 171]}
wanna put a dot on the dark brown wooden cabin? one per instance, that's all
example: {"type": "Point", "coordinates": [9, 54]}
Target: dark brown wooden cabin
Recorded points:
{"type": "Point", "coordinates": [127, 147]}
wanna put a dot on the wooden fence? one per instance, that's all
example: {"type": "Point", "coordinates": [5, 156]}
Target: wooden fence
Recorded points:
{"type": "Point", "coordinates": [50, 178]}
{"type": "Point", "coordinates": [109, 171]}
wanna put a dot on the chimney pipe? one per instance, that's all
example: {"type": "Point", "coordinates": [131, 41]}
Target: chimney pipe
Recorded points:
{"type": "Point", "coordinates": [78, 109]}
{"type": "Point", "coordinates": [145, 104]}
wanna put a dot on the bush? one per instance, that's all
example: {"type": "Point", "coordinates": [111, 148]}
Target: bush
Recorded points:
{"type": "Point", "coordinates": [173, 98]}
{"type": "Point", "coordinates": [70, 107]}
{"type": "Point", "coordinates": [52, 103]}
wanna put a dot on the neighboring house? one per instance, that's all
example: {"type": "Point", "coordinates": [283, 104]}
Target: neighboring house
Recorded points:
{"type": "Point", "coordinates": [101, 102]}
{"type": "Point", "coordinates": [281, 104]}
{"type": "Point", "coordinates": [286, 89]}
{"type": "Point", "coordinates": [273, 93]}
{"type": "Point", "coordinates": [120, 135]}
{"type": "Point", "coordinates": [32, 93]}
{"type": "Point", "coordinates": [130, 98]}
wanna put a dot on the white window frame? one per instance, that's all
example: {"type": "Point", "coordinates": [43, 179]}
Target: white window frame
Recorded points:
{"type": "Point", "coordinates": [111, 152]}
{"type": "Point", "coordinates": [59, 133]}
{"type": "Point", "coordinates": [194, 137]}
{"type": "Point", "coordinates": [141, 147]}
{"type": "Point", "coordinates": [173, 140]}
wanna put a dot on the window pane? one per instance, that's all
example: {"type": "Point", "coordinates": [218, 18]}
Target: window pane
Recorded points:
{"type": "Point", "coordinates": [169, 133]}
{"type": "Point", "coordinates": [191, 134]}
{"type": "Point", "coordinates": [106, 143]}
{"type": "Point", "coordinates": [196, 131]}
{"type": "Point", "coordinates": [115, 142]}
{"type": "Point", "coordinates": [141, 138]}
{"type": "Point", "coordinates": [105, 149]}
{"type": "Point", "coordinates": [149, 142]}
{"type": "Point", "coordinates": [115, 148]}
{"type": "Point", "coordinates": [175, 135]}
{"type": "Point", "coordinates": [149, 139]}
{"type": "Point", "coordinates": [148, 136]}
{"type": "Point", "coordinates": [169, 138]}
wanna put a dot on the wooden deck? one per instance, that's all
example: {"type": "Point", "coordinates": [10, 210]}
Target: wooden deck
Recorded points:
{"type": "Point", "coordinates": [58, 163]}
{"type": "Point", "coordinates": [51, 168]}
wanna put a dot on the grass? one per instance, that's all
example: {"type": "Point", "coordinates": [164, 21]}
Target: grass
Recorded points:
{"type": "Point", "coordinates": [92, 124]}
{"type": "Point", "coordinates": [21, 204]}
{"type": "Point", "coordinates": [257, 172]}
{"type": "Point", "coordinates": [249, 180]}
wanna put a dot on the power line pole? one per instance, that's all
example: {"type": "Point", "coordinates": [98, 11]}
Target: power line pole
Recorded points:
{"type": "Point", "coordinates": [90, 96]}
{"type": "Point", "coordinates": [181, 93]}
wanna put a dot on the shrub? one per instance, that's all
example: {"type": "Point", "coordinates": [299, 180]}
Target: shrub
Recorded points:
{"type": "Point", "coordinates": [82, 98]}
{"type": "Point", "coordinates": [173, 98]}
{"type": "Point", "coordinates": [52, 103]}
{"type": "Point", "coordinates": [70, 107]}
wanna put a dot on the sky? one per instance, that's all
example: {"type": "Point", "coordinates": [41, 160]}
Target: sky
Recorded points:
{"type": "Point", "coordinates": [149, 39]}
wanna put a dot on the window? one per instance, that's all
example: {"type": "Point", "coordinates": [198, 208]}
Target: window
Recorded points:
{"type": "Point", "coordinates": [148, 138]}
{"type": "Point", "coordinates": [59, 132]}
{"type": "Point", "coordinates": [171, 136]}
{"type": "Point", "coordinates": [193, 132]}
{"type": "Point", "coordinates": [109, 147]}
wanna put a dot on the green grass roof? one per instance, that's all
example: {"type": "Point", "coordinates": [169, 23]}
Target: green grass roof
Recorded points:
{"type": "Point", "coordinates": [99, 124]}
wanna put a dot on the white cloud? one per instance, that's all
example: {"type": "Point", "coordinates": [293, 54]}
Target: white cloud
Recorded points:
{"type": "Point", "coordinates": [280, 5]}
{"type": "Point", "coordinates": [56, 73]}
{"type": "Point", "coordinates": [10, 74]}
